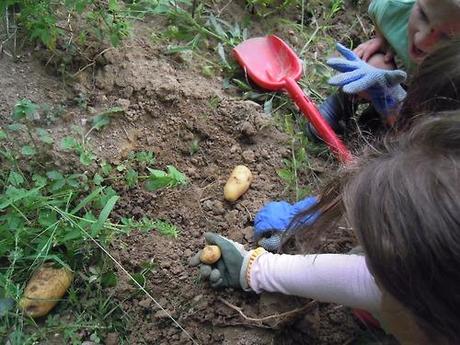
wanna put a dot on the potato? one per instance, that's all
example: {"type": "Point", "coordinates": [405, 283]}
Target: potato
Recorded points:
{"type": "Point", "coordinates": [238, 183]}
{"type": "Point", "coordinates": [45, 289]}
{"type": "Point", "coordinates": [210, 254]}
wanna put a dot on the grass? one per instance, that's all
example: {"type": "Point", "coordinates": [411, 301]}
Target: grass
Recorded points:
{"type": "Point", "coordinates": [49, 215]}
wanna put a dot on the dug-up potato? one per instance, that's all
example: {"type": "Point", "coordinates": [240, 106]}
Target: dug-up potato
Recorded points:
{"type": "Point", "coordinates": [210, 254]}
{"type": "Point", "coordinates": [44, 290]}
{"type": "Point", "coordinates": [238, 183]}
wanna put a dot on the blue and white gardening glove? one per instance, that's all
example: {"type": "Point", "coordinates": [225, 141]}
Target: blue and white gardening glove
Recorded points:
{"type": "Point", "coordinates": [231, 270]}
{"type": "Point", "coordinates": [382, 86]}
{"type": "Point", "coordinates": [274, 218]}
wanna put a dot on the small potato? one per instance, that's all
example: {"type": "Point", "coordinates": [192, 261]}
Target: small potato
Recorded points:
{"type": "Point", "coordinates": [210, 254]}
{"type": "Point", "coordinates": [45, 289]}
{"type": "Point", "coordinates": [238, 183]}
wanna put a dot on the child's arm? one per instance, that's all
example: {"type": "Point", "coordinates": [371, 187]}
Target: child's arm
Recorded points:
{"type": "Point", "coordinates": [378, 44]}
{"type": "Point", "coordinates": [336, 278]}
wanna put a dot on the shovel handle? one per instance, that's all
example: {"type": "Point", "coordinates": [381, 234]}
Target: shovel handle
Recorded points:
{"type": "Point", "coordinates": [312, 114]}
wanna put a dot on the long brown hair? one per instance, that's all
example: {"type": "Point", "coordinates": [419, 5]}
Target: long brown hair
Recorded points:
{"type": "Point", "coordinates": [403, 201]}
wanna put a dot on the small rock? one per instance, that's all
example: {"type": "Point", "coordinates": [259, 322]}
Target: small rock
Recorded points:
{"type": "Point", "coordinates": [166, 263]}
{"type": "Point", "coordinates": [235, 149]}
{"type": "Point", "coordinates": [124, 103]}
{"type": "Point", "coordinates": [249, 156]}
{"type": "Point", "coordinates": [111, 339]}
{"type": "Point", "coordinates": [161, 314]}
{"type": "Point", "coordinates": [248, 129]}
{"type": "Point", "coordinates": [248, 233]}
{"type": "Point", "coordinates": [188, 253]}
{"type": "Point", "coordinates": [264, 154]}
{"type": "Point", "coordinates": [218, 207]}
{"type": "Point", "coordinates": [145, 303]}
{"type": "Point", "coordinates": [127, 92]}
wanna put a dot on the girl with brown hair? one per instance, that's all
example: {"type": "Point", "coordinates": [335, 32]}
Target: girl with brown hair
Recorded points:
{"type": "Point", "coordinates": [403, 202]}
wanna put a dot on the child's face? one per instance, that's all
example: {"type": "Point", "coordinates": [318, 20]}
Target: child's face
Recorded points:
{"type": "Point", "coordinates": [430, 22]}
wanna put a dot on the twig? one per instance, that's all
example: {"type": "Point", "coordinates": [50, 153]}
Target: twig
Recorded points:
{"type": "Point", "coordinates": [269, 317]}
{"type": "Point", "coordinates": [219, 12]}
{"type": "Point", "coordinates": [362, 25]}
{"type": "Point", "coordinates": [92, 63]}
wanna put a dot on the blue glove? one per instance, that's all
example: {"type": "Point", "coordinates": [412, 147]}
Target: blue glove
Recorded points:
{"type": "Point", "coordinates": [382, 86]}
{"type": "Point", "coordinates": [273, 219]}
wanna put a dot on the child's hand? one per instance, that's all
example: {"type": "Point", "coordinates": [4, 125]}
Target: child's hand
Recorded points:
{"type": "Point", "coordinates": [382, 86]}
{"type": "Point", "coordinates": [232, 268]}
{"type": "Point", "coordinates": [226, 271]}
{"type": "Point", "coordinates": [274, 218]}
{"type": "Point", "coordinates": [375, 45]}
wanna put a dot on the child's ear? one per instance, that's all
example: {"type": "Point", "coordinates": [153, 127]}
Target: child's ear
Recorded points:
{"type": "Point", "coordinates": [400, 322]}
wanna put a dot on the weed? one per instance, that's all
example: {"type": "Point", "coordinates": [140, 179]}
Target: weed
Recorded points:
{"type": "Point", "coordinates": [164, 179]}
{"type": "Point", "coordinates": [265, 8]}
{"type": "Point", "coordinates": [165, 228]}
{"type": "Point", "coordinates": [105, 21]}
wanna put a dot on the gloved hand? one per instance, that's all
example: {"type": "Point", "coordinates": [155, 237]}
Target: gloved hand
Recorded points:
{"type": "Point", "coordinates": [274, 218]}
{"type": "Point", "coordinates": [230, 270]}
{"type": "Point", "coordinates": [382, 86]}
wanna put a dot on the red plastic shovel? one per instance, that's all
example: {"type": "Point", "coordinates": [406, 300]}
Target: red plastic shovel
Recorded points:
{"type": "Point", "coordinates": [274, 66]}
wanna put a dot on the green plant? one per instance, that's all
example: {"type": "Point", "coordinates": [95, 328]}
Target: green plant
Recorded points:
{"type": "Point", "coordinates": [105, 21]}
{"type": "Point", "coordinates": [265, 8]}
{"type": "Point", "coordinates": [164, 179]}
{"type": "Point", "coordinates": [299, 163]}
{"type": "Point", "coordinates": [336, 6]}
{"type": "Point", "coordinates": [80, 144]}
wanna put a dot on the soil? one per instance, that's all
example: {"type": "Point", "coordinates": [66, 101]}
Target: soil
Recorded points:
{"type": "Point", "coordinates": [169, 106]}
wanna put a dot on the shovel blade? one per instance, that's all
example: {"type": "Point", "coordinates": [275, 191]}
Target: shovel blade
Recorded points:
{"type": "Point", "coordinates": [268, 61]}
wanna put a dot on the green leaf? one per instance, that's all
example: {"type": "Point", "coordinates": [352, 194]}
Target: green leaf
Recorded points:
{"type": "Point", "coordinates": [165, 228]}
{"type": "Point", "coordinates": [72, 235]}
{"type": "Point", "coordinates": [87, 157]}
{"type": "Point", "coordinates": [44, 136]}
{"type": "Point", "coordinates": [57, 185]}
{"type": "Point", "coordinates": [100, 121]}
{"type": "Point", "coordinates": [88, 199]}
{"type": "Point", "coordinates": [109, 279]}
{"type": "Point", "coordinates": [285, 174]}
{"type": "Point", "coordinates": [99, 225]}
{"type": "Point", "coordinates": [39, 180]}
{"type": "Point", "coordinates": [54, 175]}
{"type": "Point", "coordinates": [139, 278]}
{"type": "Point", "coordinates": [131, 177]}
{"type": "Point", "coordinates": [46, 217]}
{"type": "Point", "coordinates": [28, 150]}
{"type": "Point", "coordinates": [69, 143]}
{"type": "Point", "coordinates": [24, 109]}
{"type": "Point", "coordinates": [3, 134]}
{"type": "Point", "coordinates": [97, 179]}
{"type": "Point", "coordinates": [268, 106]}
{"type": "Point", "coordinates": [106, 168]}
{"type": "Point", "coordinates": [176, 175]}
{"type": "Point", "coordinates": [15, 178]}
{"type": "Point", "coordinates": [145, 156]}
{"type": "Point", "coordinates": [15, 127]}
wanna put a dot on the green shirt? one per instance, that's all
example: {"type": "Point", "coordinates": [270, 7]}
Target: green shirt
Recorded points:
{"type": "Point", "coordinates": [391, 17]}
